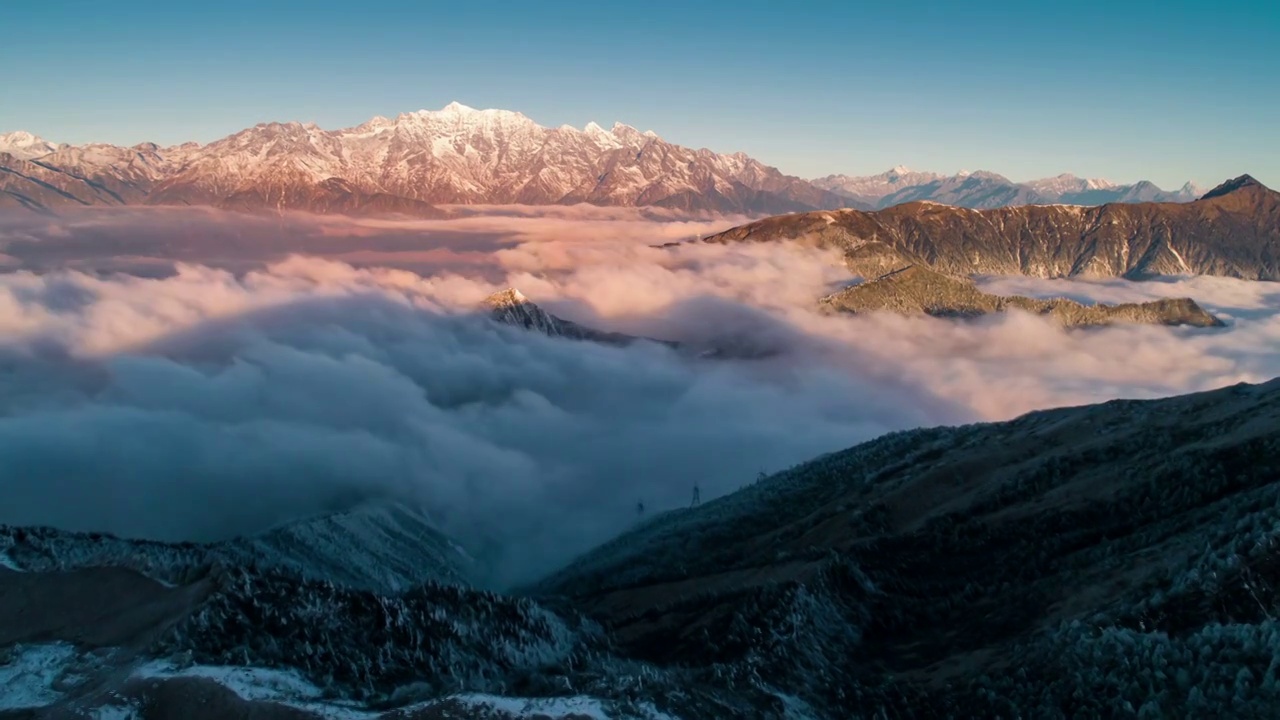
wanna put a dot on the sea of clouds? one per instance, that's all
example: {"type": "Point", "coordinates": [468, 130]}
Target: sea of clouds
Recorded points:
{"type": "Point", "coordinates": [196, 375]}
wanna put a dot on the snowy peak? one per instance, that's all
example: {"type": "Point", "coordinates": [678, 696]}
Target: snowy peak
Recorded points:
{"type": "Point", "coordinates": [511, 307]}
{"type": "Point", "coordinates": [457, 113]}
{"type": "Point", "coordinates": [509, 298]}
{"type": "Point", "coordinates": [872, 188]}
{"type": "Point", "coordinates": [985, 175]}
{"type": "Point", "coordinates": [1068, 183]}
{"type": "Point", "coordinates": [24, 145]}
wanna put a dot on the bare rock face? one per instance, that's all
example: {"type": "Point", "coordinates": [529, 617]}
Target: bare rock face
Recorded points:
{"type": "Point", "coordinates": [511, 307]}
{"type": "Point", "coordinates": [1233, 231]}
{"type": "Point", "coordinates": [919, 290]}
{"type": "Point", "coordinates": [405, 165]}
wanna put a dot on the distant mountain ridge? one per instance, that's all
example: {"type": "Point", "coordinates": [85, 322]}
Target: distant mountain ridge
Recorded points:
{"type": "Point", "coordinates": [985, 190]}
{"type": "Point", "coordinates": [406, 165]}
{"type": "Point", "coordinates": [460, 155]}
{"type": "Point", "coordinates": [1233, 231]}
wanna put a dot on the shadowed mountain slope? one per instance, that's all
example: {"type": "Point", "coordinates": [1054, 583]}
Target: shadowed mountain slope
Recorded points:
{"type": "Point", "coordinates": [1120, 559]}
{"type": "Point", "coordinates": [1073, 561]}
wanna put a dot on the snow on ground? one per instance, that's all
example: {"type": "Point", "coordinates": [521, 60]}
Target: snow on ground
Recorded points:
{"type": "Point", "coordinates": [291, 689]}
{"type": "Point", "coordinates": [28, 674]}
{"type": "Point", "coordinates": [7, 562]}
{"type": "Point", "coordinates": [523, 707]}
{"type": "Point", "coordinates": [262, 684]}
{"type": "Point", "coordinates": [115, 712]}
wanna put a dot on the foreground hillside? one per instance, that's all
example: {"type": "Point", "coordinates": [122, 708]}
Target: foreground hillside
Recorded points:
{"type": "Point", "coordinates": [1097, 561]}
{"type": "Point", "coordinates": [1113, 560]}
{"type": "Point", "coordinates": [1233, 231]}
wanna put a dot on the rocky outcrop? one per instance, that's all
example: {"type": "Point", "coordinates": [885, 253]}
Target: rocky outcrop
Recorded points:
{"type": "Point", "coordinates": [916, 290]}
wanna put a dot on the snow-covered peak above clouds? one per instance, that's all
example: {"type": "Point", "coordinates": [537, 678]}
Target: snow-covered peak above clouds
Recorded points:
{"type": "Point", "coordinates": [24, 145]}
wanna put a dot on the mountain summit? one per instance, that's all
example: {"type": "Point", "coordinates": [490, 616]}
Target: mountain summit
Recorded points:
{"type": "Point", "coordinates": [1244, 182]}
{"type": "Point", "coordinates": [25, 146]}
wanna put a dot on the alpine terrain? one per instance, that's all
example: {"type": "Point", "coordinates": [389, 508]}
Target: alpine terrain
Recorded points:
{"type": "Point", "coordinates": [411, 163]}
{"type": "Point", "coordinates": [1119, 559]}
{"type": "Point", "coordinates": [1232, 231]}
{"type": "Point", "coordinates": [403, 165]}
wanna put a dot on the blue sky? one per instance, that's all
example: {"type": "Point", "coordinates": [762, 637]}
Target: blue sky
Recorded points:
{"type": "Point", "coordinates": [1164, 91]}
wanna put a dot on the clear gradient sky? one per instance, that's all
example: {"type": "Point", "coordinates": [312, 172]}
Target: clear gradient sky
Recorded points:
{"type": "Point", "coordinates": [1166, 91]}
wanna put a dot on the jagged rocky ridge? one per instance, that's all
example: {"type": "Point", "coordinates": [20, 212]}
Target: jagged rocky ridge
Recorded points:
{"type": "Point", "coordinates": [1119, 559]}
{"type": "Point", "coordinates": [1233, 231]}
{"type": "Point", "coordinates": [511, 307]}
{"type": "Point", "coordinates": [919, 290]}
{"type": "Point", "coordinates": [403, 165]}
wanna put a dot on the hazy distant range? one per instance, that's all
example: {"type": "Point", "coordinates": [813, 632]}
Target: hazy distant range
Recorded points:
{"type": "Point", "coordinates": [415, 162]}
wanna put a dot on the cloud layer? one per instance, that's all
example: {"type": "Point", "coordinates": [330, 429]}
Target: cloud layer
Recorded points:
{"type": "Point", "coordinates": [212, 402]}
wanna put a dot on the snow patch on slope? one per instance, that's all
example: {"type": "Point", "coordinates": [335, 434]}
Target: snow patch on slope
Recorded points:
{"type": "Point", "coordinates": [7, 562]}
{"type": "Point", "coordinates": [526, 707]}
{"type": "Point", "coordinates": [116, 712]}
{"type": "Point", "coordinates": [30, 674]}
{"type": "Point", "coordinates": [24, 145]}
{"type": "Point", "coordinates": [285, 687]}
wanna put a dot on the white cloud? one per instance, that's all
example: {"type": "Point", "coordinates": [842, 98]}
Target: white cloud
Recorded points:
{"type": "Point", "coordinates": [214, 401]}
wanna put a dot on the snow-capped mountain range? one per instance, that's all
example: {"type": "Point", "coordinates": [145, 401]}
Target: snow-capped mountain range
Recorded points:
{"type": "Point", "coordinates": [983, 190]}
{"type": "Point", "coordinates": [460, 155]}
{"type": "Point", "coordinates": [407, 164]}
